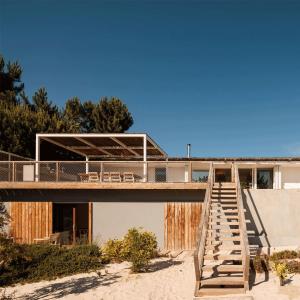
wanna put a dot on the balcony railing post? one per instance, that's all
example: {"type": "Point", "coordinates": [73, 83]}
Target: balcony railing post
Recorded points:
{"type": "Point", "coordinates": [57, 171]}
{"type": "Point", "coordinates": [13, 171]}
{"type": "Point", "coordinates": [145, 172]}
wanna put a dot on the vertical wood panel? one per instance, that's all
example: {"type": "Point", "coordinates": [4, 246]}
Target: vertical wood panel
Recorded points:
{"type": "Point", "coordinates": [30, 220]}
{"type": "Point", "coordinates": [181, 221]}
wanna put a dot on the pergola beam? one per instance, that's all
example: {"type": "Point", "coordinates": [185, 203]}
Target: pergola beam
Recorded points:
{"type": "Point", "coordinates": [125, 146]}
{"type": "Point", "coordinates": [91, 145]}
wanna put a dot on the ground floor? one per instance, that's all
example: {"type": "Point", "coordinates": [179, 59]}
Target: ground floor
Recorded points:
{"type": "Point", "coordinates": [272, 216]}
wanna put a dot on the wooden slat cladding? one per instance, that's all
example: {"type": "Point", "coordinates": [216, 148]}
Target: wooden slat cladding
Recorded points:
{"type": "Point", "coordinates": [30, 220]}
{"type": "Point", "coordinates": [181, 225]}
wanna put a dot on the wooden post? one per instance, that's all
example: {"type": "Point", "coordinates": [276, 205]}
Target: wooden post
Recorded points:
{"type": "Point", "coordinates": [90, 217]}
{"type": "Point", "coordinates": [74, 225]}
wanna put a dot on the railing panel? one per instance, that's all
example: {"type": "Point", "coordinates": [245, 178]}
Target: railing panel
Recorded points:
{"type": "Point", "coordinates": [73, 171]}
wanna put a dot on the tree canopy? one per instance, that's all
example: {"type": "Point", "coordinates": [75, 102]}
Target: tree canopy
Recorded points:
{"type": "Point", "coordinates": [21, 119]}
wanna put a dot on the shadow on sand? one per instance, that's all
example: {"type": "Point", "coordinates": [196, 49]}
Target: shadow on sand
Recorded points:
{"type": "Point", "coordinates": [58, 290]}
{"type": "Point", "coordinates": [72, 286]}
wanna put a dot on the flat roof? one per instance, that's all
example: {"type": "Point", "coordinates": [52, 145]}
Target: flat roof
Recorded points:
{"type": "Point", "coordinates": [106, 145]}
{"type": "Point", "coordinates": [235, 159]}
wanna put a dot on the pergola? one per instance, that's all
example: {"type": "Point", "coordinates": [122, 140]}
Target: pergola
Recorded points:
{"type": "Point", "coordinates": [123, 146]}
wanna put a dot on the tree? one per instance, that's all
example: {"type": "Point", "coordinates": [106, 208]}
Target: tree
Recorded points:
{"type": "Point", "coordinates": [21, 119]}
{"type": "Point", "coordinates": [10, 81]}
{"type": "Point", "coordinates": [111, 115]}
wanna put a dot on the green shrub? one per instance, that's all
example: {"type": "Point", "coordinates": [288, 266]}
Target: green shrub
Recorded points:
{"type": "Point", "coordinates": [139, 247]}
{"type": "Point", "coordinates": [293, 266]}
{"type": "Point", "coordinates": [286, 254]}
{"type": "Point", "coordinates": [112, 251]}
{"type": "Point", "coordinates": [29, 263]}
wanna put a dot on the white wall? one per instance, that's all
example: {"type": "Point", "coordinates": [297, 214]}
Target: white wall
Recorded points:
{"type": "Point", "coordinates": [290, 177]}
{"type": "Point", "coordinates": [113, 219]}
{"type": "Point", "coordinates": [274, 217]}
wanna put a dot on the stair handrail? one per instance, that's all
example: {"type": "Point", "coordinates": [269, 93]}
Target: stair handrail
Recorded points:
{"type": "Point", "coordinates": [202, 230]}
{"type": "Point", "coordinates": [243, 228]}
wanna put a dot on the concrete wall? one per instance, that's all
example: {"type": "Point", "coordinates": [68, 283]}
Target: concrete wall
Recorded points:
{"type": "Point", "coordinates": [290, 177]}
{"type": "Point", "coordinates": [274, 216]}
{"type": "Point", "coordinates": [113, 219]}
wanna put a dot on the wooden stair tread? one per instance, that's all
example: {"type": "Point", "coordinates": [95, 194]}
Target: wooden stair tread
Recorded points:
{"type": "Point", "coordinates": [224, 211]}
{"type": "Point", "coordinates": [228, 280]}
{"type": "Point", "coordinates": [222, 196]}
{"type": "Point", "coordinates": [223, 268]}
{"type": "Point", "coordinates": [223, 247]}
{"type": "Point", "coordinates": [224, 223]}
{"type": "Point", "coordinates": [224, 238]}
{"type": "Point", "coordinates": [218, 292]}
{"type": "Point", "coordinates": [223, 205]}
{"type": "Point", "coordinates": [222, 217]}
{"type": "Point", "coordinates": [222, 257]}
{"type": "Point", "coordinates": [230, 230]}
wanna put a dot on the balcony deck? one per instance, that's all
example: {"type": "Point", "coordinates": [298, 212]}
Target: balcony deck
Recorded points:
{"type": "Point", "coordinates": [4, 185]}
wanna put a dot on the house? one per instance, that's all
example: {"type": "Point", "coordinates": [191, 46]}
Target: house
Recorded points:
{"type": "Point", "coordinates": [111, 182]}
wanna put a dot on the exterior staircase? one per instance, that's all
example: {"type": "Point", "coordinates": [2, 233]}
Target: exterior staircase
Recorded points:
{"type": "Point", "coordinates": [222, 254]}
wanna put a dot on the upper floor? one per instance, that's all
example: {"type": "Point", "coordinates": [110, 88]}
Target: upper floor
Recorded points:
{"type": "Point", "coordinates": [133, 161]}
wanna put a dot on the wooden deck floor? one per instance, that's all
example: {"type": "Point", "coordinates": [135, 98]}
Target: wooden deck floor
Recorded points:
{"type": "Point", "coordinates": [103, 186]}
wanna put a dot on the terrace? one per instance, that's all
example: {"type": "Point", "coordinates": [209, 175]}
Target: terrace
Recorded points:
{"type": "Point", "coordinates": [114, 161]}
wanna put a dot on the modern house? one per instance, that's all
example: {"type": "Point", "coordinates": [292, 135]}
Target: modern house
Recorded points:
{"type": "Point", "coordinates": [107, 183]}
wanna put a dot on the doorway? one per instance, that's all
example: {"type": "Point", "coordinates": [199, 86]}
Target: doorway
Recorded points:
{"type": "Point", "coordinates": [222, 175]}
{"type": "Point", "coordinates": [246, 179]}
{"type": "Point", "coordinates": [73, 220]}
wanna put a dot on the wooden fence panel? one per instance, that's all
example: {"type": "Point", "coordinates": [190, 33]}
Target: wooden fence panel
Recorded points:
{"type": "Point", "coordinates": [181, 225]}
{"type": "Point", "coordinates": [30, 220]}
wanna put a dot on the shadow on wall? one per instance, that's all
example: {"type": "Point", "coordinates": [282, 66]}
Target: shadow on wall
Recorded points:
{"type": "Point", "coordinates": [257, 235]}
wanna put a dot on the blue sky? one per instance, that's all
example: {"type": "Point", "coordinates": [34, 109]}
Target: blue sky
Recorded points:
{"type": "Point", "coordinates": [221, 75]}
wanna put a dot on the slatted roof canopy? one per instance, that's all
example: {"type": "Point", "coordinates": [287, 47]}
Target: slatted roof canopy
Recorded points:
{"type": "Point", "coordinates": [105, 145]}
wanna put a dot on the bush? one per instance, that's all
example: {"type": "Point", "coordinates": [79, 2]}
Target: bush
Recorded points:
{"type": "Point", "coordinates": [112, 251]}
{"type": "Point", "coordinates": [139, 247]}
{"type": "Point", "coordinates": [29, 263]}
{"type": "Point", "coordinates": [286, 254]}
{"type": "Point", "coordinates": [293, 266]}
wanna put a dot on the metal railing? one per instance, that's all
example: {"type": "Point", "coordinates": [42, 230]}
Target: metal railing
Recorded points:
{"type": "Point", "coordinates": [202, 231]}
{"type": "Point", "coordinates": [79, 171]}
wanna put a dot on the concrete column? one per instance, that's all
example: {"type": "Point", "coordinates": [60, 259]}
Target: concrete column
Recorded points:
{"type": "Point", "coordinates": [86, 164]}
{"type": "Point", "coordinates": [37, 157]}
{"type": "Point", "coordinates": [145, 166]}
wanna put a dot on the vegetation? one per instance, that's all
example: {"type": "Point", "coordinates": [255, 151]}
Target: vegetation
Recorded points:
{"type": "Point", "coordinates": [137, 246]}
{"type": "Point", "coordinates": [281, 271]}
{"type": "Point", "coordinates": [21, 119]}
{"type": "Point", "coordinates": [112, 251]}
{"type": "Point", "coordinates": [286, 254]}
{"type": "Point", "coordinates": [4, 217]}
{"type": "Point", "coordinates": [29, 263]}
{"type": "Point", "coordinates": [282, 263]}
{"type": "Point", "coordinates": [261, 263]}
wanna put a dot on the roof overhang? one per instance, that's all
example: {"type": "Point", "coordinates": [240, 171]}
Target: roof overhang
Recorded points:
{"type": "Point", "coordinates": [106, 145]}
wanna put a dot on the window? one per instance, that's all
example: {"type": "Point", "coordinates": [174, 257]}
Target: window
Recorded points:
{"type": "Point", "coordinates": [160, 175]}
{"type": "Point", "coordinates": [222, 175]}
{"type": "Point", "coordinates": [264, 178]}
{"type": "Point", "coordinates": [245, 176]}
{"type": "Point", "coordinates": [199, 175]}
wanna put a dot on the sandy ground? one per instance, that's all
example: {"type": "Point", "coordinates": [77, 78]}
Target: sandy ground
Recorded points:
{"type": "Point", "coordinates": [169, 279]}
